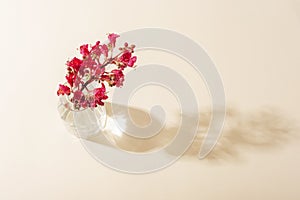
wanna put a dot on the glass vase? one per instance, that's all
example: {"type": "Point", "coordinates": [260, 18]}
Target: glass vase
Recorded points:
{"type": "Point", "coordinates": [83, 123]}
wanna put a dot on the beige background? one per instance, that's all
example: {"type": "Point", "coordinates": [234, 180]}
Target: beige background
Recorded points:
{"type": "Point", "coordinates": [255, 45]}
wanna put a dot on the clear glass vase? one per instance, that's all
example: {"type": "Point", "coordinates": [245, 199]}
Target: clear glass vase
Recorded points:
{"type": "Point", "coordinates": [83, 123]}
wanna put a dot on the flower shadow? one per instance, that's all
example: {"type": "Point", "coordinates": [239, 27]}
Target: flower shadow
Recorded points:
{"type": "Point", "coordinates": [260, 130]}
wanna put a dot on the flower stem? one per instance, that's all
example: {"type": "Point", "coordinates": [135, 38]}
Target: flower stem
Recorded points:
{"type": "Point", "coordinates": [102, 66]}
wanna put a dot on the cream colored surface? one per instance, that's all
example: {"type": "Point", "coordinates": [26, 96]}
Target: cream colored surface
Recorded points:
{"type": "Point", "coordinates": [255, 45]}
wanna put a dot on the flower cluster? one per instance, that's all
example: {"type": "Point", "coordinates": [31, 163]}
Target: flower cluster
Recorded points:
{"type": "Point", "coordinates": [92, 68]}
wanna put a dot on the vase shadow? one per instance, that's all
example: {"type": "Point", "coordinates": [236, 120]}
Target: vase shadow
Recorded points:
{"type": "Point", "coordinates": [259, 130]}
{"type": "Point", "coordinates": [117, 136]}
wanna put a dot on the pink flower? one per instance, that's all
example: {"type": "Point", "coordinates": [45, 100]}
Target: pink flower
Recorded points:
{"type": "Point", "coordinates": [79, 99]}
{"type": "Point", "coordinates": [89, 63]}
{"type": "Point", "coordinates": [91, 102]}
{"type": "Point", "coordinates": [98, 71]}
{"type": "Point", "coordinates": [84, 104]}
{"type": "Point", "coordinates": [84, 50]}
{"type": "Point", "coordinates": [74, 64]}
{"type": "Point", "coordinates": [77, 81]}
{"type": "Point", "coordinates": [62, 90]}
{"type": "Point", "coordinates": [112, 39]}
{"type": "Point", "coordinates": [77, 95]}
{"type": "Point", "coordinates": [104, 50]}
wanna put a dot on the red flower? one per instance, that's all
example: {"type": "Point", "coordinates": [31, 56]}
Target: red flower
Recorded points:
{"type": "Point", "coordinates": [125, 57]}
{"type": "Point", "coordinates": [71, 78]}
{"type": "Point", "coordinates": [105, 77]}
{"type": "Point", "coordinates": [112, 39]}
{"type": "Point", "coordinates": [114, 78]}
{"type": "Point", "coordinates": [63, 90]}
{"type": "Point", "coordinates": [132, 61]}
{"type": "Point", "coordinates": [125, 60]}
{"type": "Point", "coordinates": [96, 45]}
{"type": "Point", "coordinates": [100, 95]}
{"type": "Point", "coordinates": [96, 49]}
{"type": "Point", "coordinates": [117, 78]}
{"type": "Point", "coordinates": [74, 64]}
{"type": "Point", "coordinates": [90, 69]}
{"type": "Point", "coordinates": [84, 50]}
